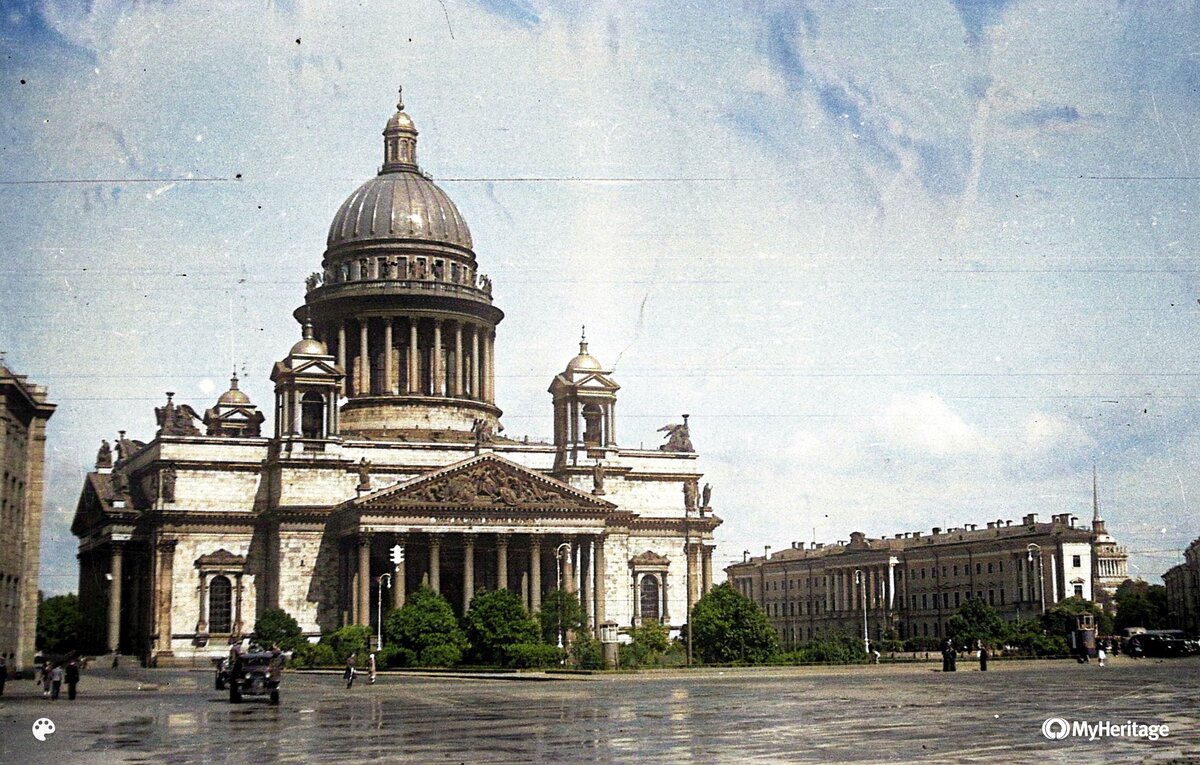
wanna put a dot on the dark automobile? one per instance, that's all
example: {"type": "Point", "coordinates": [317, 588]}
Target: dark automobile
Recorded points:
{"type": "Point", "coordinates": [255, 674]}
{"type": "Point", "coordinates": [222, 676]}
{"type": "Point", "coordinates": [1156, 645]}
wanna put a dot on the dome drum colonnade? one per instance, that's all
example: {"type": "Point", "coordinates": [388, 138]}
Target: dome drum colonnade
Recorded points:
{"type": "Point", "coordinates": [400, 303]}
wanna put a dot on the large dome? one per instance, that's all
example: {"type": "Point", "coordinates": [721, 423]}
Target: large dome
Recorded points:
{"type": "Point", "coordinates": [399, 204]}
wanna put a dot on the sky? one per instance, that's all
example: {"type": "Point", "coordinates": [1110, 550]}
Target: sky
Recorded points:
{"type": "Point", "coordinates": [905, 264]}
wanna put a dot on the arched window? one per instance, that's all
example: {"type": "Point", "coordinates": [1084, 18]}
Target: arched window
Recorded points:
{"type": "Point", "coordinates": [312, 415]}
{"type": "Point", "coordinates": [649, 598]}
{"type": "Point", "coordinates": [220, 605]}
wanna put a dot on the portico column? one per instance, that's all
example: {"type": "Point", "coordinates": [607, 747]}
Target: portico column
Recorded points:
{"type": "Point", "coordinates": [364, 356]}
{"type": "Point", "coordinates": [398, 582]}
{"type": "Point", "coordinates": [598, 585]}
{"type": "Point", "coordinates": [468, 570]}
{"type": "Point", "coordinates": [114, 597]}
{"type": "Point", "coordinates": [891, 602]}
{"type": "Point", "coordinates": [585, 585]}
{"type": "Point", "coordinates": [568, 569]}
{"type": "Point", "coordinates": [706, 570]}
{"type": "Point", "coordinates": [435, 564]}
{"type": "Point", "coordinates": [501, 563]}
{"type": "Point", "coordinates": [364, 579]}
{"type": "Point", "coordinates": [456, 383]}
{"type": "Point", "coordinates": [412, 382]}
{"type": "Point", "coordinates": [341, 356]}
{"type": "Point", "coordinates": [388, 386]}
{"type": "Point", "coordinates": [535, 575]}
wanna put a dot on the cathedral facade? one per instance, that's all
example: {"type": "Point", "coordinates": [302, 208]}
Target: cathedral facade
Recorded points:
{"type": "Point", "coordinates": [386, 468]}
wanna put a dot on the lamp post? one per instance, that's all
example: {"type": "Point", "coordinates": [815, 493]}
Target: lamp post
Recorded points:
{"type": "Point", "coordinates": [687, 556]}
{"type": "Point", "coordinates": [858, 579]}
{"type": "Point", "coordinates": [379, 609]}
{"type": "Point", "coordinates": [558, 553]}
{"type": "Point", "coordinates": [1041, 579]}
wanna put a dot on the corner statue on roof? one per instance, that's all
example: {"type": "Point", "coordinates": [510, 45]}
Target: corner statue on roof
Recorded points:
{"type": "Point", "coordinates": [382, 452]}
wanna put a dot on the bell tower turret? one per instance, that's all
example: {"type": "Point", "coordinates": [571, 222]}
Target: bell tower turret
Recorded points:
{"type": "Point", "coordinates": [585, 402]}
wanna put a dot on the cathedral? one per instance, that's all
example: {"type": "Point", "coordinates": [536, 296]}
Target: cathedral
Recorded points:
{"type": "Point", "coordinates": [386, 468]}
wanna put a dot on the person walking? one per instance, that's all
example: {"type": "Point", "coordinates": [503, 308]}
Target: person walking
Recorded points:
{"type": "Point", "coordinates": [56, 681]}
{"type": "Point", "coordinates": [1101, 655]}
{"type": "Point", "coordinates": [983, 657]}
{"type": "Point", "coordinates": [3, 673]}
{"type": "Point", "coordinates": [371, 669]}
{"type": "Point", "coordinates": [348, 676]}
{"type": "Point", "coordinates": [72, 676]}
{"type": "Point", "coordinates": [45, 679]}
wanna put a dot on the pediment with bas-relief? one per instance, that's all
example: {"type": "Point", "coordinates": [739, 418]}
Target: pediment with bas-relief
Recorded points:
{"type": "Point", "coordinates": [486, 481]}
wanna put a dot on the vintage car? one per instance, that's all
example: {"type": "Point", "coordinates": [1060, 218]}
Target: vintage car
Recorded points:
{"type": "Point", "coordinates": [255, 674]}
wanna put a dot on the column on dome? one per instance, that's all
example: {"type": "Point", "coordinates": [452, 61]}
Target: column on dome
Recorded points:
{"type": "Point", "coordinates": [490, 338]}
{"type": "Point", "coordinates": [456, 381]}
{"type": "Point", "coordinates": [437, 373]}
{"type": "Point", "coordinates": [475, 362]}
{"type": "Point", "coordinates": [341, 357]}
{"type": "Point", "coordinates": [364, 357]}
{"type": "Point", "coordinates": [388, 387]}
{"type": "Point", "coordinates": [413, 383]}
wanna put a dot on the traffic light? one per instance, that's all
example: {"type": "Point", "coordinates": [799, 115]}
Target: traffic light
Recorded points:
{"type": "Point", "coordinates": [397, 555]}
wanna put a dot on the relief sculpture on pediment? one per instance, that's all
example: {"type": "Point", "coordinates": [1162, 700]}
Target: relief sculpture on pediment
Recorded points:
{"type": "Point", "coordinates": [484, 485]}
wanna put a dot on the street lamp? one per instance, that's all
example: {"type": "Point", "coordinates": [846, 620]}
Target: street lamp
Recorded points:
{"type": "Point", "coordinates": [858, 579]}
{"type": "Point", "coordinates": [1041, 579]}
{"type": "Point", "coordinates": [558, 553]}
{"type": "Point", "coordinates": [379, 609]}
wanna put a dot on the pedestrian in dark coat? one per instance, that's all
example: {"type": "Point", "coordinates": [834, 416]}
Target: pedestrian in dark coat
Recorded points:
{"type": "Point", "coordinates": [351, 661]}
{"type": "Point", "coordinates": [72, 677]}
{"type": "Point", "coordinates": [3, 673]}
{"type": "Point", "coordinates": [983, 658]}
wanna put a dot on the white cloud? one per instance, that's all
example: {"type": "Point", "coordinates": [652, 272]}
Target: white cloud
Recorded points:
{"type": "Point", "coordinates": [924, 422]}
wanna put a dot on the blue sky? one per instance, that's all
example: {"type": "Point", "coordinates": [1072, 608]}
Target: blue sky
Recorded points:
{"type": "Point", "coordinates": [906, 265]}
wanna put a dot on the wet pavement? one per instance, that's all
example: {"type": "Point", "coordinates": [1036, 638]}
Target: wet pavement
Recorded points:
{"type": "Point", "coordinates": [888, 713]}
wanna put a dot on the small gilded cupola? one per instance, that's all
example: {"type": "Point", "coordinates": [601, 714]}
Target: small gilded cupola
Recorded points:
{"type": "Point", "coordinates": [234, 415]}
{"type": "Point", "coordinates": [585, 400]}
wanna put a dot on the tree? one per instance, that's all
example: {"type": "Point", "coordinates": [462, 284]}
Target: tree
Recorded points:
{"type": "Point", "coordinates": [729, 627]}
{"type": "Point", "coordinates": [58, 623]}
{"type": "Point", "coordinates": [976, 622]}
{"type": "Point", "coordinates": [353, 638]}
{"type": "Point", "coordinates": [277, 627]}
{"type": "Point", "coordinates": [1141, 604]}
{"type": "Point", "coordinates": [560, 614]}
{"type": "Point", "coordinates": [426, 628]}
{"type": "Point", "coordinates": [495, 620]}
{"type": "Point", "coordinates": [1062, 619]}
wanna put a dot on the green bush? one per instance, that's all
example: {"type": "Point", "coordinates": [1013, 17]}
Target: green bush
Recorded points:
{"type": "Point", "coordinates": [426, 630]}
{"type": "Point", "coordinates": [586, 652]}
{"type": "Point", "coordinates": [310, 655]}
{"type": "Point", "coordinates": [353, 638]}
{"type": "Point", "coordinates": [532, 655]}
{"type": "Point", "coordinates": [277, 627]}
{"type": "Point", "coordinates": [728, 627]}
{"type": "Point", "coordinates": [444, 655]}
{"type": "Point", "coordinates": [496, 620]}
{"type": "Point", "coordinates": [833, 649]}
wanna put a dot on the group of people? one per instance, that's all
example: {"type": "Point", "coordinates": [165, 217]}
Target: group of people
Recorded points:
{"type": "Point", "coordinates": [950, 656]}
{"type": "Point", "coordinates": [352, 669]}
{"type": "Point", "coordinates": [52, 675]}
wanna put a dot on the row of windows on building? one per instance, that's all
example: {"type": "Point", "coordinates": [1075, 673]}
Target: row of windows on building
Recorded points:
{"type": "Point", "coordinates": [992, 567]}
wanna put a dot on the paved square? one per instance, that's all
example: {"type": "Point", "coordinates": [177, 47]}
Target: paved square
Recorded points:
{"type": "Point", "coordinates": [890, 713]}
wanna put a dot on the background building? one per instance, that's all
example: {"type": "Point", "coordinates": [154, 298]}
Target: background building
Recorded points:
{"type": "Point", "coordinates": [22, 454]}
{"type": "Point", "coordinates": [912, 583]}
{"type": "Point", "coordinates": [386, 459]}
{"type": "Point", "coordinates": [1183, 590]}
